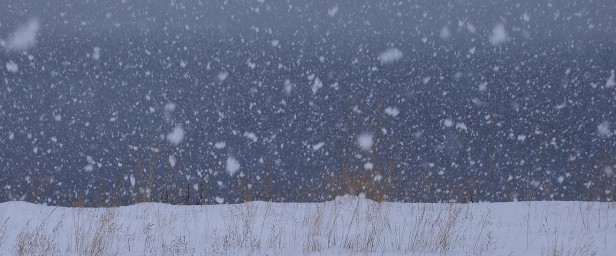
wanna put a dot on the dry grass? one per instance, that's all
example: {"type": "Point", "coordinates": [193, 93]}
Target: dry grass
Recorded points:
{"type": "Point", "coordinates": [36, 241]}
{"type": "Point", "coordinates": [92, 237]}
{"type": "Point", "coordinates": [348, 224]}
{"type": "Point", "coordinates": [358, 226]}
{"type": "Point", "coordinates": [3, 232]}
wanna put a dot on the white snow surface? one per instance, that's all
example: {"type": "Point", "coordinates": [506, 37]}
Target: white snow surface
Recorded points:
{"type": "Point", "coordinates": [24, 37]}
{"type": "Point", "coordinates": [346, 226]}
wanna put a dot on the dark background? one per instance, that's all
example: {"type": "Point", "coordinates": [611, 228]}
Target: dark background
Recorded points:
{"type": "Point", "coordinates": [77, 130]}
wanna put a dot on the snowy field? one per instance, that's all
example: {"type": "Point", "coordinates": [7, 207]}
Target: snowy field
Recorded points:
{"type": "Point", "coordinates": [346, 226]}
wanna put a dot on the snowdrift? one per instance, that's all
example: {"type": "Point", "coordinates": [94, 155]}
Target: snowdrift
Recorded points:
{"type": "Point", "coordinates": [345, 226]}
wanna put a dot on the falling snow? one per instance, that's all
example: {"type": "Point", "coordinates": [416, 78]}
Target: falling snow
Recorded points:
{"type": "Point", "coordinates": [222, 76]}
{"type": "Point", "coordinates": [392, 111]}
{"type": "Point", "coordinates": [390, 56]}
{"type": "Point", "coordinates": [96, 53]}
{"type": "Point", "coordinates": [12, 67]}
{"type": "Point", "coordinates": [251, 136]}
{"type": "Point", "coordinates": [176, 136]}
{"type": "Point", "coordinates": [316, 85]}
{"type": "Point", "coordinates": [603, 129]}
{"type": "Point", "coordinates": [24, 37]}
{"type": "Point", "coordinates": [318, 146]}
{"type": "Point", "coordinates": [233, 166]}
{"type": "Point", "coordinates": [499, 35]}
{"type": "Point", "coordinates": [409, 101]}
{"type": "Point", "coordinates": [332, 11]}
{"type": "Point", "coordinates": [364, 141]}
{"type": "Point", "coordinates": [611, 81]}
{"type": "Point", "coordinates": [220, 145]}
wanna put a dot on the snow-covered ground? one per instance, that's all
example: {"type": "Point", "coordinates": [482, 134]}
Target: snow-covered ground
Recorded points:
{"type": "Point", "coordinates": [346, 226]}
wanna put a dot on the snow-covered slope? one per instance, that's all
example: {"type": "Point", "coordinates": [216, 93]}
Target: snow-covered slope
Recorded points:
{"type": "Point", "coordinates": [346, 226]}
